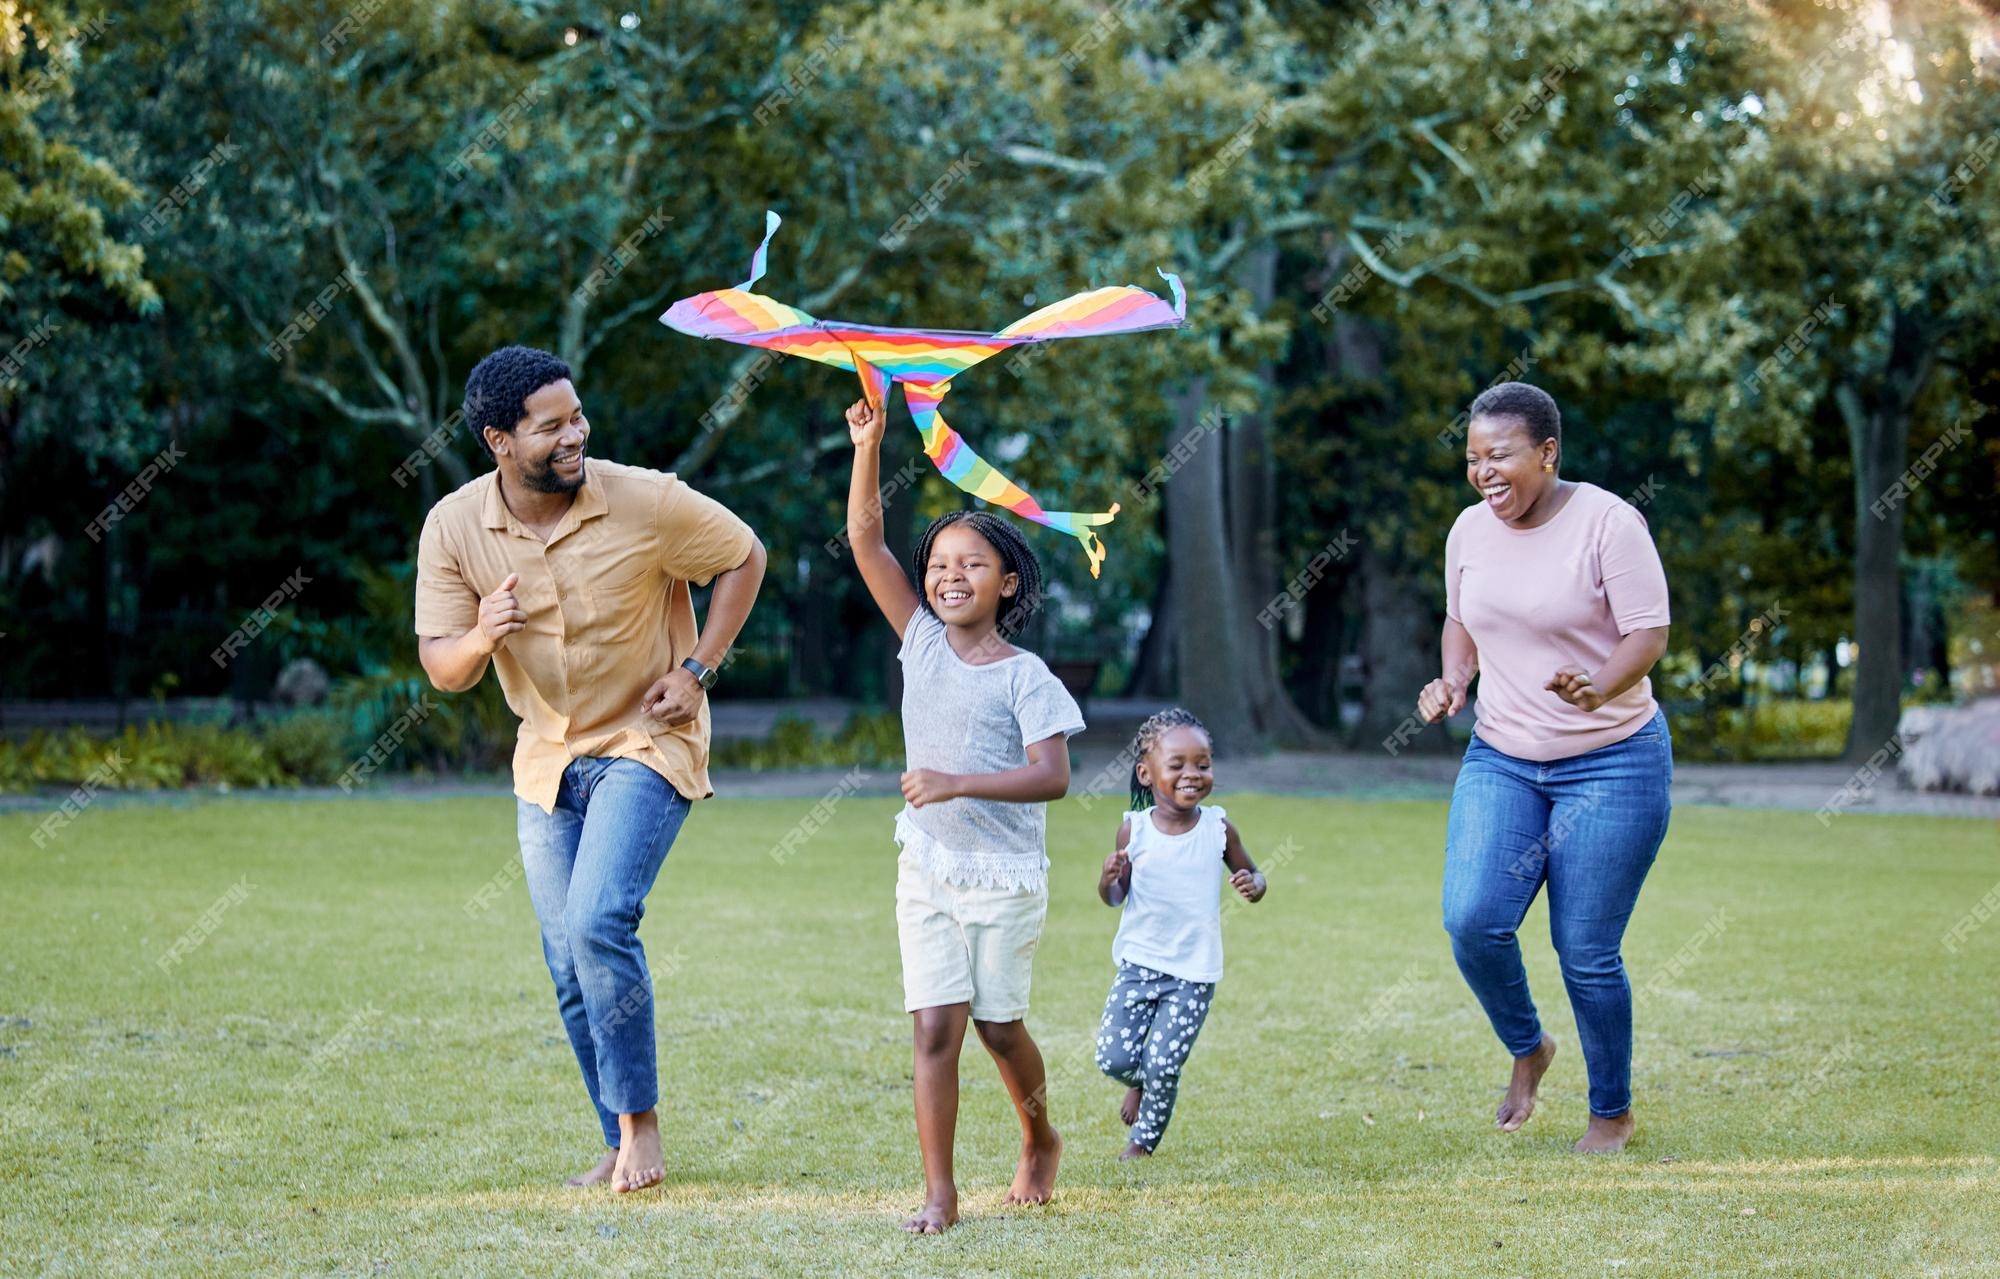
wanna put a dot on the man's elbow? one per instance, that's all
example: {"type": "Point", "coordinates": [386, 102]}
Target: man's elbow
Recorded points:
{"type": "Point", "coordinates": [439, 679]}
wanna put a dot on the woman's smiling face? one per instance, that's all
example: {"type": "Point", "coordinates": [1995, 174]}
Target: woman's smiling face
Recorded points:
{"type": "Point", "coordinates": [966, 579]}
{"type": "Point", "coordinates": [1504, 464]}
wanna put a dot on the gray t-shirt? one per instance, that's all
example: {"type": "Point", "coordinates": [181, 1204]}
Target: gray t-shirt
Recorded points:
{"type": "Point", "coordinates": [961, 718]}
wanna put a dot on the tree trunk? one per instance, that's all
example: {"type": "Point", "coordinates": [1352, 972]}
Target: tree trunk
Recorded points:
{"type": "Point", "coordinates": [1153, 673]}
{"type": "Point", "coordinates": [1879, 439]}
{"type": "Point", "coordinates": [1399, 653]}
{"type": "Point", "coordinates": [1209, 651]}
{"type": "Point", "coordinates": [1879, 450]}
{"type": "Point", "coordinates": [1252, 479]}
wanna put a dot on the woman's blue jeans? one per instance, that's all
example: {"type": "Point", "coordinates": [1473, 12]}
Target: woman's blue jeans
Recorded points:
{"type": "Point", "coordinates": [1589, 827]}
{"type": "Point", "coordinates": [589, 866]}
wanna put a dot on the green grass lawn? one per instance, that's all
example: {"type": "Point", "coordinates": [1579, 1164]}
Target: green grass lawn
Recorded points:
{"type": "Point", "coordinates": [351, 1075]}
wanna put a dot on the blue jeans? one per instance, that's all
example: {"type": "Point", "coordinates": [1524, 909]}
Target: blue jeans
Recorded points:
{"type": "Point", "coordinates": [589, 866]}
{"type": "Point", "coordinates": [1589, 826]}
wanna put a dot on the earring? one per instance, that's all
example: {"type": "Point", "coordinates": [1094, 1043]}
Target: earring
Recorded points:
{"type": "Point", "coordinates": [1548, 466]}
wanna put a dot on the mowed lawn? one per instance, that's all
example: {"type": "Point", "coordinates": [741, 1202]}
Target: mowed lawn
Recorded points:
{"type": "Point", "coordinates": [355, 1075]}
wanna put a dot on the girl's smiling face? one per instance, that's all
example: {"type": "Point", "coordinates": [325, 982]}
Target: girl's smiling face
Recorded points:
{"type": "Point", "coordinates": [966, 579]}
{"type": "Point", "coordinates": [1503, 462]}
{"type": "Point", "coordinates": [1180, 768]}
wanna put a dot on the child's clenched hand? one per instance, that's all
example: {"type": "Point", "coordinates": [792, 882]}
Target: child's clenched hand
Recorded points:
{"type": "Point", "coordinates": [864, 423]}
{"type": "Point", "coordinates": [1250, 883]}
{"type": "Point", "coordinates": [927, 786]}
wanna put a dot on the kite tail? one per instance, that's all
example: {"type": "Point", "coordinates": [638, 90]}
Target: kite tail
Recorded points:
{"type": "Point", "coordinates": [956, 461]}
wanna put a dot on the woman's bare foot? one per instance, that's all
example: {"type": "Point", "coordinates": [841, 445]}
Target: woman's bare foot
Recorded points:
{"type": "Point", "coordinates": [1606, 1136]}
{"type": "Point", "coordinates": [596, 1176]}
{"type": "Point", "coordinates": [1528, 1072]}
{"type": "Point", "coordinates": [1128, 1109]}
{"type": "Point", "coordinates": [639, 1162]}
{"type": "Point", "coordinates": [1035, 1175]}
{"type": "Point", "coordinates": [1135, 1151]}
{"type": "Point", "coordinates": [939, 1214]}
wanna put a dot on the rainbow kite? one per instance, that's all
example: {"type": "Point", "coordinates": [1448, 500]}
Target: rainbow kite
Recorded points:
{"type": "Point", "coordinates": [924, 361]}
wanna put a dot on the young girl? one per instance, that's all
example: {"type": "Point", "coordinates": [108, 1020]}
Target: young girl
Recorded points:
{"type": "Point", "coordinates": [1167, 873]}
{"type": "Point", "coordinates": [986, 727]}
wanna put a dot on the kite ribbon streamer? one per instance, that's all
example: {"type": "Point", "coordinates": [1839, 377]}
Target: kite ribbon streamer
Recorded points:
{"type": "Point", "coordinates": [924, 362]}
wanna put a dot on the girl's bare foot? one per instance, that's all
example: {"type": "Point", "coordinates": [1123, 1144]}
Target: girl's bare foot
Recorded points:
{"type": "Point", "coordinates": [1606, 1136]}
{"type": "Point", "coordinates": [639, 1162]}
{"type": "Point", "coordinates": [939, 1214]}
{"type": "Point", "coordinates": [1035, 1176]}
{"type": "Point", "coordinates": [1528, 1072]}
{"type": "Point", "coordinates": [1128, 1109]}
{"type": "Point", "coordinates": [1135, 1151]}
{"type": "Point", "coordinates": [596, 1176]}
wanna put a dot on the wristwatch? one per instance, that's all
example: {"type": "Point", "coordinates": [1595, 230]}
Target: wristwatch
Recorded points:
{"type": "Point", "coordinates": [703, 675]}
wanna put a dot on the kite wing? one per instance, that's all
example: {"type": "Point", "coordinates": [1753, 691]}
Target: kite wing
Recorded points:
{"type": "Point", "coordinates": [924, 362]}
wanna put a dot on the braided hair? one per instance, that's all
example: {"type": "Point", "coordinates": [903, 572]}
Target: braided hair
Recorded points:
{"type": "Point", "coordinates": [1015, 557]}
{"type": "Point", "coordinates": [1157, 725]}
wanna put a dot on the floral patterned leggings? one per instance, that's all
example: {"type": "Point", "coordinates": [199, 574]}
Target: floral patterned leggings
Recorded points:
{"type": "Point", "coordinates": [1150, 1023]}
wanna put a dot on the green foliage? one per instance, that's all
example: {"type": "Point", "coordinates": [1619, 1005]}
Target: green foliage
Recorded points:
{"type": "Point", "coordinates": [158, 756]}
{"type": "Point", "coordinates": [311, 747]}
{"type": "Point", "coordinates": [865, 740]}
{"type": "Point", "coordinates": [1163, 135]}
{"type": "Point", "coordinates": [1792, 729]}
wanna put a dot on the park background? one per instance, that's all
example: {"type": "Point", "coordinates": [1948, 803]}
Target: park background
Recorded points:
{"type": "Point", "coordinates": [1751, 250]}
{"type": "Point", "coordinates": [250, 251]}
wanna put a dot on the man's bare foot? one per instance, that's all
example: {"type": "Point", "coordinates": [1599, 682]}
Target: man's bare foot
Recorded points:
{"type": "Point", "coordinates": [639, 1162]}
{"type": "Point", "coordinates": [1128, 1109]}
{"type": "Point", "coordinates": [1528, 1072]}
{"type": "Point", "coordinates": [1135, 1151]}
{"type": "Point", "coordinates": [1035, 1175]}
{"type": "Point", "coordinates": [596, 1176]}
{"type": "Point", "coordinates": [1606, 1136]}
{"type": "Point", "coordinates": [939, 1214]}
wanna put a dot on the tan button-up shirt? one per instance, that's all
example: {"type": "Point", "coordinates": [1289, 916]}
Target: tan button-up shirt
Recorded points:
{"type": "Point", "coordinates": [608, 613]}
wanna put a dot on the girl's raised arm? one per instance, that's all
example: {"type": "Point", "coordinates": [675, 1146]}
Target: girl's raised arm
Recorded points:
{"type": "Point", "coordinates": [879, 568]}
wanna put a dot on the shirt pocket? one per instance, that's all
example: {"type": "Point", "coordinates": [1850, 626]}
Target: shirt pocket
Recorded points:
{"type": "Point", "coordinates": [621, 590]}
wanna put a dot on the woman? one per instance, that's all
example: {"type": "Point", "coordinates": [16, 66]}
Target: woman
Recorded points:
{"type": "Point", "coordinates": [1555, 596]}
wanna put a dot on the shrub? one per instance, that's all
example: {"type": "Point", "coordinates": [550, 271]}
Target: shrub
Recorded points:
{"type": "Point", "coordinates": [867, 739]}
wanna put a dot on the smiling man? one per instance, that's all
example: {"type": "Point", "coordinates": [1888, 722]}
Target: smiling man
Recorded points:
{"type": "Point", "coordinates": [571, 578]}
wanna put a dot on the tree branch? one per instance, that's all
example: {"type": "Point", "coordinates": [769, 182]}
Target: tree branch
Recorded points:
{"type": "Point", "coordinates": [347, 408]}
{"type": "Point", "coordinates": [831, 442]}
{"type": "Point", "coordinates": [1430, 134]}
{"type": "Point", "coordinates": [1037, 158]}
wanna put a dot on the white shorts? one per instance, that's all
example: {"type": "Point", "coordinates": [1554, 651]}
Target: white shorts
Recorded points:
{"type": "Point", "coordinates": [964, 945]}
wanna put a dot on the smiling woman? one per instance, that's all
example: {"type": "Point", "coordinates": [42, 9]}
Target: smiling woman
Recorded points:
{"type": "Point", "coordinates": [1555, 596]}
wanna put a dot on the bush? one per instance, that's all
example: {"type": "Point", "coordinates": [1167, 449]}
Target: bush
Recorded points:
{"type": "Point", "coordinates": [1783, 730]}
{"type": "Point", "coordinates": [311, 747]}
{"type": "Point", "coordinates": [867, 739]}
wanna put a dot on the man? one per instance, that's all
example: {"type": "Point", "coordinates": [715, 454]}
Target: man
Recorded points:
{"type": "Point", "coordinates": [573, 581]}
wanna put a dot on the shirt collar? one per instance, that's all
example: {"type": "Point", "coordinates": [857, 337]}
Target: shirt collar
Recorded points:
{"type": "Point", "coordinates": [589, 504]}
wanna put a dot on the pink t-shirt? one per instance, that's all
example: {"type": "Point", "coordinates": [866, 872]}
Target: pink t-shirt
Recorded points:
{"type": "Point", "coordinates": [1538, 599]}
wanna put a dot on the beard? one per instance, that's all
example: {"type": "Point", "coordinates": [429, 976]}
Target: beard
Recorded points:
{"type": "Point", "coordinates": [543, 479]}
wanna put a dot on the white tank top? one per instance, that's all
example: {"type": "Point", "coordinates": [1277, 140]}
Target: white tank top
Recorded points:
{"type": "Point", "coordinates": [1173, 914]}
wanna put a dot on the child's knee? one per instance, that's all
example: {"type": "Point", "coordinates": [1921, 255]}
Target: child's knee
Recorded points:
{"type": "Point", "coordinates": [934, 1033]}
{"type": "Point", "coordinates": [1118, 1060]}
{"type": "Point", "coordinates": [1001, 1037]}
